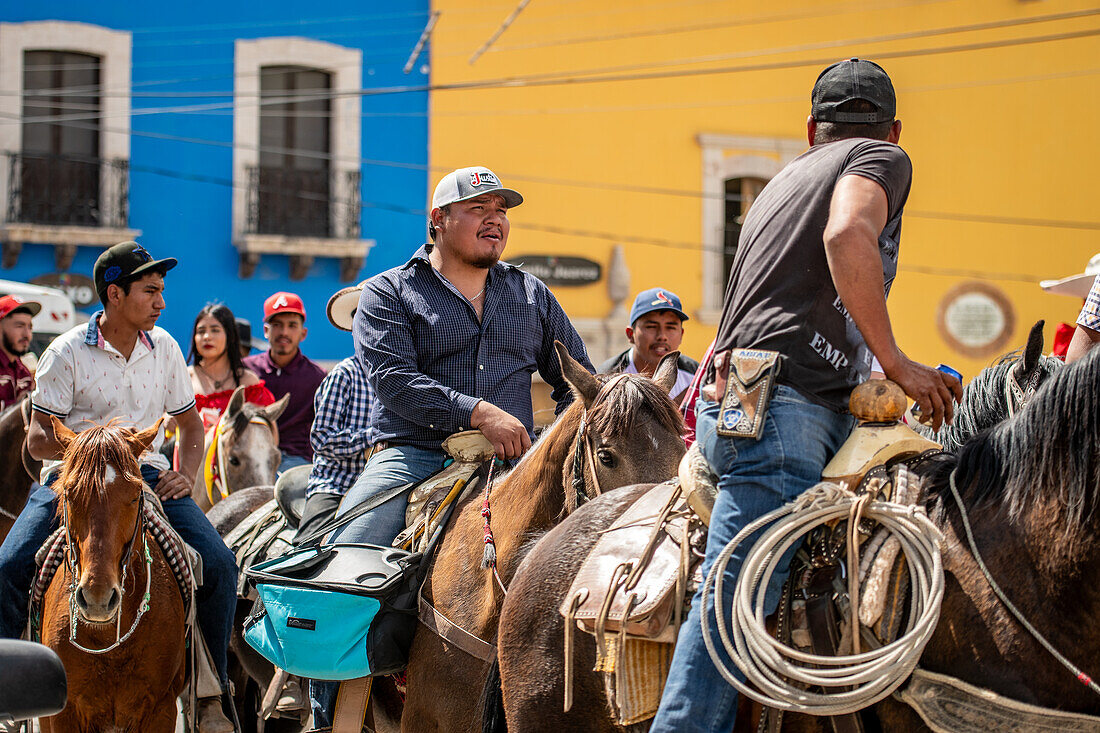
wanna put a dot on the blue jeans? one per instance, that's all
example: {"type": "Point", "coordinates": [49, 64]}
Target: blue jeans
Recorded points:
{"type": "Point", "coordinates": [755, 477]}
{"type": "Point", "coordinates": [217, 596]}
{"type": "Point", "coordinates": [386, 470]}
{"type": "Point", "coordinates": [289, 461]}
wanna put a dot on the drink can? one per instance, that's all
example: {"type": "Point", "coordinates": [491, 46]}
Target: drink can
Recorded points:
{"type": "Point", "coordinates": [916, 411]}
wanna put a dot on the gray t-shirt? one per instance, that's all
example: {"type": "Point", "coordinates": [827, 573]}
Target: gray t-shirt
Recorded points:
{"type": "Point", "coordinates": [781, 295]}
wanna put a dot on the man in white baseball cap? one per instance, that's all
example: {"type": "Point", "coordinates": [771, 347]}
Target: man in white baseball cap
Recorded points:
{"type": "Point", "coordinates": [448, 341]}
{"type": "Point", "coordinates": [468, 183]}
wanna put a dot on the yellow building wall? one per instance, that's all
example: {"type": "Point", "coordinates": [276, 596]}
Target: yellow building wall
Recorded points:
{"type": "Point", "coordinates": [997, 97]}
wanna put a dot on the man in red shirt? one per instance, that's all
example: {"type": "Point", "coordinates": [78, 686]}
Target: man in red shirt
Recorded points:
{"type": "Point", "coordinates": [286, 370]}
{"type": "Point", "coordinates": [15, 338]}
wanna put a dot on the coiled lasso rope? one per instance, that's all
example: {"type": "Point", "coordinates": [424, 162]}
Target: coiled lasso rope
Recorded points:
{"type": "Point", "coordinates": [774, 669]}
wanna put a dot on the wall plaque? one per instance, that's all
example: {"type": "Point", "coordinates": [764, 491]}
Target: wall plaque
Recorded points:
{"type": "Point", "coordinates": [560, 270]}
{"type": "Point", "coordinates": [976, 319]}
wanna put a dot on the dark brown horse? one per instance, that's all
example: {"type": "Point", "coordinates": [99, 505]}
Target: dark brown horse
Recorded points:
{"type": "Point", "coordinates": [635, 431]}
{"type": "Point", "coordinates": [1031, 486]}
{"type": "Point", "coordinates": [129, 611]}
{"type": "Point", "coordinates": [15, 466]}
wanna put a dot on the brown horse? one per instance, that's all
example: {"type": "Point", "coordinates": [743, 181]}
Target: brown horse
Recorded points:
{"type": "Point", "coordinates": [15, 477]}
{"type": "Point", "coordinates": [114, 578]}
{"type": "Point", "coordinates": [1031, 486]}
{"type": "Point", "coordinates": [247, 451]}
{"type": "Point", "coordinates": [634, 431]}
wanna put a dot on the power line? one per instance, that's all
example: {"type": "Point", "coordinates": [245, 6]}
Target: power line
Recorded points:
{"type": "Point", "coordinates": [729, 22]}
{"type": "Point", "coordinates": [595, 185]}
{"type": "Point", "coordinates": [605, 74]}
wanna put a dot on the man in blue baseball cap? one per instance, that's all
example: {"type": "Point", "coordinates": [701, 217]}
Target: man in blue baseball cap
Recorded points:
{"type": "Point", "coordinates": [656, 327]}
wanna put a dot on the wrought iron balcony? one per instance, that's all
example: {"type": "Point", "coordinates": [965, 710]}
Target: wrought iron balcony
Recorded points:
{"type": "Point", "coordinates": [60, 190]}
{"type": "Point", "coordinates": [303, 203]}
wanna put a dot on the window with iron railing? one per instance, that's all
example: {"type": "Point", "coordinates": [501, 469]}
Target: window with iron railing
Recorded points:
{"type": "Point", "coordinates": [292, 185]}
{"type": "Point", "coordinates": [58, 177]}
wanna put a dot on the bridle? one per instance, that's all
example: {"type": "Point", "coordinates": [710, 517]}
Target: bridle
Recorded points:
{"type": "Point", "coordinates": [582, 453]}
{"type": "Point", "coordinates": [1016, 396]}
{"type": "Point", "coordinates": [214, 471]}
{"type": "Point", "coordinates": [72, 562]}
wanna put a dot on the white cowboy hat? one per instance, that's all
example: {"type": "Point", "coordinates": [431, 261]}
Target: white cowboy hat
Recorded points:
{"type": "Point", "coordinates": [1078, 285]}
{"type": "Point", "coordinates": [341, 306]}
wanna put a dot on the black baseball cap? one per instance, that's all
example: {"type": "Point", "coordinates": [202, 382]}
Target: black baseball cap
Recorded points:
{"type": "Point", "coordinates": [853, 79]}
{"type": "Point", "coordinates": [124, 262]}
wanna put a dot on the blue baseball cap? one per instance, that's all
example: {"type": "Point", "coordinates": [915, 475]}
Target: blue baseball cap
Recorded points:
{"type": "Point", "coordinates": [656, 299]}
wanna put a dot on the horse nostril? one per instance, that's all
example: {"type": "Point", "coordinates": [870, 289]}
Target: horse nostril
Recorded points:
{"type": "Point", "coordinates": [81, 602]}
{"type": "Point", "coordinates": [114, 600]}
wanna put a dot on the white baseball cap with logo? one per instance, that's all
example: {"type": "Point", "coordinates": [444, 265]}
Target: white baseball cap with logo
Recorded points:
{"type": "Point", "coordinates": [468, 183]}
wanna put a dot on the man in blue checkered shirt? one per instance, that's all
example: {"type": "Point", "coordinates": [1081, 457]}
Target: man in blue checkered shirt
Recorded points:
{"type": "Point", "coordinates": [1088, 325]}
{"type": "Point", "coordinates": [450, 340]}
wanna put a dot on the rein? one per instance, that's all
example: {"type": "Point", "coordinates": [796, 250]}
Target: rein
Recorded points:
{"type": "Point", "coordinates": [583, 452]}
{"type": "Point", "coordinates": [74, 573]}
{"type": "Point", "coordinates": [1073, 669]}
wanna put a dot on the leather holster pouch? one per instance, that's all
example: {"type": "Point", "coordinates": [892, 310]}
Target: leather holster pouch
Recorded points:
{"type": "Point", "coordinates": [752, 374]}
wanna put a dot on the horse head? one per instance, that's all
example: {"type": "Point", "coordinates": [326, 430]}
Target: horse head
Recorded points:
{"type": "Point", "coordinates": [250, 442]}
{"type": "Point", "coordinates": [629, 429]}
{"type": "Point", "coordinates": [99, 500]}
{"type": "Point", "coordinates": [998, 392]}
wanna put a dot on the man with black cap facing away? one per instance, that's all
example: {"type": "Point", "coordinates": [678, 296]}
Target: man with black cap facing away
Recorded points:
{"type": "Point", "coordinates": [121, 366]}
{"type": "Point", "coordinates": [805, 304]}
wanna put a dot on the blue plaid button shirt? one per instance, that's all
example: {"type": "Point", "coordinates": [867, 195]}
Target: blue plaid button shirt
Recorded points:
{"type": "Point", "coordinates": [341, 432]}
{"type": "Point", "coordinates": [430, 360]}
{"type": "Point", "coordinates": [1090, 314]}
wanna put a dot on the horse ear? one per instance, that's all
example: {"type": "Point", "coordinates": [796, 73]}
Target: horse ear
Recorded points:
{"type": "Point", "coordinates": [1034, 349]}
{"type": "Point", "coordinates": [142, 440]}
{"type": "Point", "coordinates": [236, 402]}
{"type": "Point", "coordinates": [62, 434]}
{"type": "Point", "coordinates": [583, 383]}
{"type": "Point", "coordinates": [272, 411]}
{"type": "Point", "coordinates": [667, 371]}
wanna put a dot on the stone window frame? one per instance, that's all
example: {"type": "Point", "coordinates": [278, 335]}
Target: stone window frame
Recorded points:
{"type": "Point", "coordinates": [113, 47]}
{"type": "Point", "coordinates": [725, 157]}
{"type": "Point", "coordinates": [346, 68]}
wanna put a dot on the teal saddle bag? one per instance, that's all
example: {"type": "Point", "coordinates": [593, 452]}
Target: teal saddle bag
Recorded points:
{"type": "Point", "coordinates": [336, 612]}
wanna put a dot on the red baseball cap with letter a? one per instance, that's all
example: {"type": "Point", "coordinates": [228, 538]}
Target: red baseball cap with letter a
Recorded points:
{"type": "Point", "coordinates": [283, 303]}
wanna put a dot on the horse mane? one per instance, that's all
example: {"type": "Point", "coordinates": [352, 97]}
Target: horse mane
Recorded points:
{"type": "Point", "coordinates": [83, 463]}
{"type": "Point", "coordinates": [244, 416]}
{"type": "Point", "coordinates": [620, 408]}
{"type": "Point", "coordinates": [983, 402]}
{"type": "Point", "coordinates": [1050, 451]}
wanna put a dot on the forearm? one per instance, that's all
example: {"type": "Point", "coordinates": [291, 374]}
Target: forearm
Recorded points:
{"type": "Point", "coordinates": [1084, 338]}
{"type": "Point", "coordinates": [41, 442]}
{"type": "Point", "coordinates": [424, 401]}
{"type": "Point", "coordinates": [190, 441]}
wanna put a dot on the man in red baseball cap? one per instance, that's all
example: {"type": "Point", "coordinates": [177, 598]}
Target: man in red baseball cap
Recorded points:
{"type": "Point", "coordinates": [286, 370]}
{"type": "Point", "coordinates": [15, 338]}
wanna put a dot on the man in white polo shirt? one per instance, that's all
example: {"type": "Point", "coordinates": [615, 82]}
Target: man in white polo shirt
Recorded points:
{"type": "Point", "coordinates": [120, 366]}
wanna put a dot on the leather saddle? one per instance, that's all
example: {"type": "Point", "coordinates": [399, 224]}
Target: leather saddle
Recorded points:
{"type": "Point", "coordinates": [290, 493]}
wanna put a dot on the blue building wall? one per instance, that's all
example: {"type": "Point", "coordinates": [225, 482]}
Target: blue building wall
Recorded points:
{"type": "Point", "coordinates": [180, 191]}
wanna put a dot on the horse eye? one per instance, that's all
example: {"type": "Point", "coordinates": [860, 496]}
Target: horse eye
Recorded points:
{"type": "Point", "coordinates": [234, 461]}
{"type": "Point", "coordinates": [606, 458]}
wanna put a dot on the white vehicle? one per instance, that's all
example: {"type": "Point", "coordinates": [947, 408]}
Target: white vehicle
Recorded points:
{"type": "Point", "coordinates": [57, 316]}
